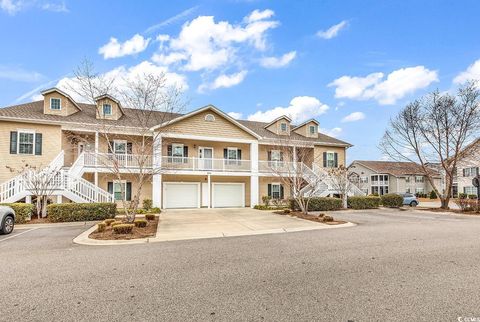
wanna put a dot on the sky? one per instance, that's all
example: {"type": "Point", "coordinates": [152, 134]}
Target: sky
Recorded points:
{"type": "Point", "coordinates": [352, 65]}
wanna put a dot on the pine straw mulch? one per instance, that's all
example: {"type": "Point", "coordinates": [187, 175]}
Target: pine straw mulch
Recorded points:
{"type": "Point", "coordinates": [317, 218]}
{"type": "Point", "coordinates": [138, 232]}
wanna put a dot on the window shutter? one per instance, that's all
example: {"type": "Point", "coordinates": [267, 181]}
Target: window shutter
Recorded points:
{"type": "Point", "coordinates": [129, 191]}
{"type": "Point", "coordinates": [225, 153]}
{"type": "Point", "coordinates": [38, 143]}
{"type": "Point", "coordinates": [335, 157]}
{"type": "Point", "coordinates": [269, 155]}
{"type": "Point", "coordinates": [13, 142]}
{"type": "Point", "coordinates": [324, 159]}
{"type": "Point", "coordinates": [110, 187]}
{"type": "Point", "coordinates": [477, 171]}
{"type": "Point", "coordinates": [169, 150]}
{"type": "Point", "coordinates": [110, 146]}
{"type": "Point", "coordinates": [269, 190]}
{"type": "Point", "coordinates": [464, 172]}
{"type": "Point", "coordinates": [281, 192]}
{"type": "Point", "coordinates": [129, 148]}
{"type": "Point", "coordinates": [239, 155]}
{"type": "Point", "coordinates": [185, 151]}
{"type": "Point", "coordinates": [281, 156]}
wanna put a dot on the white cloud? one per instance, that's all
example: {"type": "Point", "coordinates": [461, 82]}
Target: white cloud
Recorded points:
{"type": "Point", "coordinates": [332, 31]}
{"type": "Point", "coordinates": [301, 108]}
{"type": "Point", "coordinates": [472, 73]}
{"type": "Point", "coordinates": [204, 44]}
{"type": "Point", "coordinates": [277, 62]}
{"type": "Point", "coordinates": [353, 117]}
{"type": "Point", "coordinates": [224, 81]}
{"type": "Point", "coordinates": [387, 90]}
{"type": "Point", "coordinates": [334, 132]}
{"type": "Point", "coordinates": [122, 75]}
{"type": "Point", "coordinates": [55, 7]}
{"type": "Point", "coordinates": [11, 6]}
{"type": "Point", "coordinates": [235, 115]}
{"type": "Point", "coordinates": [257, 15]}
{"type": "Point", "coordinates": [114, 49]}
{"type": "Point", "coordinates": [172, 19]}
{"type": "Point", "coordinates": [19, 74]}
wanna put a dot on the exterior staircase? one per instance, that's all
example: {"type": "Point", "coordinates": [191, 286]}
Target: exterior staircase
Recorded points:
{"type": "Point", "coordinates": [58, 181]}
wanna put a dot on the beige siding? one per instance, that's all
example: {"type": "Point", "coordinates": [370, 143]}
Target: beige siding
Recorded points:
{"type": "Point", "coordinates": [104, 178]}
{"type": "Point", "coordinates": [276, 127]}
{"type": "Point", "coordinates": [194, 147]}
{"type": "Point", "coordinates": [305, 130]}
{"type": "Point", "coordinates": [51, 147]}
{"type": "Point", "coordinates": [263, 187]}
{"type": "Point", "coordinates": [116, 112]}
{"type": "Point", "coordinates": [196, 125]}
{"type": "Point", "coordinates": [68, 108]}
{"type": "Point", "coordinates": [318, 154]}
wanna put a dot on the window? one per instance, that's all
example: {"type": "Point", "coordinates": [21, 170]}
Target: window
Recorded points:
{"type": "Point", "coordinates": [276, 155]}
{"type": "Point", "coordinates": [232, 153]}
{"type": "Point", "coordinates": [407, 179]}
{"type": "Point", "coordinates": [470, 190]}
{"type": "Point", "coordinates": [283, 127]}
{"type": "Point", "coordinates": [119, 190]}
{"type": "Point", "coordinates": [120, 147]}
{"type": "Point", "coordinates": [470, 172]}
{"type": "Point", "coordinates": [363, 179]}
{"type": "Point", "coordinates": [25, 142]}
{"type": "Point", "coordinates": [330, 160]}
{"type": "Point", "coordinates": [55, 104]}
{"type": "Point", "coordinates": [419, 190]}
{"type": "Point", "coordinates": [313, 129]}
{"type": "Point", "coordinates": [107, 109]}
{"type": "Point", "coordinates": [209, 118]}
{"type": "Point", "coordinates": [407, 190]}
{"type": "Point", "coordinates": [276, 191]}
{"type": "Point", "coordinates": [418, 178]}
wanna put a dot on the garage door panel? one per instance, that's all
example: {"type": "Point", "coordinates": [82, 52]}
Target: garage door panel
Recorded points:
{"type": "Point", "coordinates": [228, 195]}
{"type": "Point", "coordinates": [181, 195]}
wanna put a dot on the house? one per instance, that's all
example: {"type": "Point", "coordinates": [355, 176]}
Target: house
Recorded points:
{"type": "Point", "coordinates": [467, 168]}
{"type": "Point", "coordinates": [206, 158]}
{"type": "Point", "coordinates": [382, 177]}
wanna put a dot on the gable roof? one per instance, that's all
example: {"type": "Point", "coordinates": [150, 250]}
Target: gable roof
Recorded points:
{"type": "Point", "coordinates": [111, 98]}
{"type": "Point", "coordinates": [278, 119]}
{"type": "Point", "coordinates": [54, 89]}
{"type": "Point", "coordinates": [32, 112]}
{"type": "Point", "coordinates": [306, 122]}
{"type": "Point", "coordinates": [394, 168]}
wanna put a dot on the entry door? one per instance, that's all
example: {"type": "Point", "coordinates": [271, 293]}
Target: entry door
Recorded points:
{"type": "Point", "coordinates": [206, 158]}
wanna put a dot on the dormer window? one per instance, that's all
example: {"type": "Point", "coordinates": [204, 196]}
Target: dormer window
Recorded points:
{"type": "Point", "coordinates": [55, 104]}
{"type": "Point", "coordinates": [107, 109]}
{"type": "Point", "coordinates": [283, 127]}
{"type": "Point", "coordinates": [313, 129]}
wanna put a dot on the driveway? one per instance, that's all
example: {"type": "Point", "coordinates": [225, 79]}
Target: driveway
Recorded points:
{"type": "Point", "coordinates": [392, 266]}
{"type": "Point", "coordinates": [207, 223]}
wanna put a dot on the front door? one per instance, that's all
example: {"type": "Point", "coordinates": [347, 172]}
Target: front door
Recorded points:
{"type": "Point", "coordinates": [205, 158]}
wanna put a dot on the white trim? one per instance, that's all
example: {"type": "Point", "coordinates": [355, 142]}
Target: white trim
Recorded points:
{"type": "Point", "coordinates": [103, 109]}
{"type": "Point", "coordinates": [211, 116]}
{"type": "Point", "coordinates": [205, 138]}
{"type": "Point", "coordinates": [55, 98]}
{"type": "Point", "coordinates": [119, 142]}
{"type": "Point", "coordinates": [113, 189]}
{"type": "Point", "coordinates": [54, 89]}
{"type": "Point", "coordinates": [228, 183]}
{"type": "Point", "coordinates": [305, 123]}
{"type": "Point", "coordinates": [26, 131]}
{"type": "Point", "coordinates": [278, 119]}
{"type": "Point", "coordinates": [198, 184]}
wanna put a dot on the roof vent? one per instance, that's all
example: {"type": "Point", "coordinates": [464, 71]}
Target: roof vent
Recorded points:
{"type": "Point", "coordinates": [209, 118]}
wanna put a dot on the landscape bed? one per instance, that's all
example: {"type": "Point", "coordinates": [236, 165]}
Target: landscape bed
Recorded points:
{"type": "Point", "coordinates": [108, 233]}
{"type": "Point", "coordinates": [320, 218]}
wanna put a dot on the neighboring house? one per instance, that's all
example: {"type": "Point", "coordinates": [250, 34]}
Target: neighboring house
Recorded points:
{"type": "Point", "coordinates": [467, 168]}
{"type": "Point", "coordinates": [208, 159]}
{"type": "Point", "coordinates": [382, 177]}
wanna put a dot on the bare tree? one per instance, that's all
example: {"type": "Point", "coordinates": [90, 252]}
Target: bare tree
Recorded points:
{"type": "Point", "coordinates": [435, 129]}
{"type": "Point", "coordinates": [344, 182]}
{"type": "Point", "coordinates": [148, 101]}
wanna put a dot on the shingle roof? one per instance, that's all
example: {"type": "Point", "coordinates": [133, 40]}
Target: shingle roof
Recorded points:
{"type": "Point", "coordinates": [395, 168]}
{"type": "Point", "coordinates": [34, 111]}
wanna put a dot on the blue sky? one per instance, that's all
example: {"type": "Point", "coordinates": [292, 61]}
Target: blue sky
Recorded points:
{"type": "Point", "coordinates": [351, 65]}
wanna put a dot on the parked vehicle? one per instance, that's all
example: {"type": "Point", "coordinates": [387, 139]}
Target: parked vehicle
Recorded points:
{"type": "Point", "coordinates": [7, 220]}
{"type": "Point", "coordinates": [409, 199]}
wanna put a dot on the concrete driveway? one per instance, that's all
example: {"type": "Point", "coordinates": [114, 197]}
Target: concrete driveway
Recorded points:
{"type": "Point", "coordinates": [207, 223]}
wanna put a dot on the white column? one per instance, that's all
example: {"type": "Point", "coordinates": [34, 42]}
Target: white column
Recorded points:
{"type": "Point", "coordinates": [28, 199]}
{"type": "Point", "coordinates": [209, 191]}
{"type": "Point", "coordinates": [96, 146]}
{"type": "Point", "coordinates": [295, 171]}
{"type": "Point", "coordinates": [95, 178]}
{"type": "Point", "coordinates": [59, 199]}
{"type": "Point", "coordinates": [254, 174]}
{"type": "Point", "coordinates": [157, 176]}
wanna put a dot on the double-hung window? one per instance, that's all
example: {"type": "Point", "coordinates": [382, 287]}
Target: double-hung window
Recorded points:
{"type": "Point", "coordinates": [232, 155]}
{"type": "Point", "coordinates": [107, 109]}
{"type": "Point", "coordinates": [26, 142]}
{"type": "Point", "coordinates": [313, 129]}
{"type": "Point", "coordinates": [276, 191]}
{"type": "Point", "coordinates": [120, 147]}
{"type": "Point", "coordinates": [119, 190]}
{"type": "Point", "coordinates": [55, 104]}
{"type": "Point", "coordinates": [330, 160]}
{"type": "Point", "coordinates": [470, 190]}
{"type": "Point", "coordinates": [283, 127]}
{"type": "Point", "coordinates": [418, 178]}
{"type": "Point", "coordinates": [177, 152]}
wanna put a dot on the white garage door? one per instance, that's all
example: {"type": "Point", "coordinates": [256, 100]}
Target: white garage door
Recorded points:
{"type": "Point", "coordinates": [228, 195]}
{"type": "Point", "coordinates": [181, 195]}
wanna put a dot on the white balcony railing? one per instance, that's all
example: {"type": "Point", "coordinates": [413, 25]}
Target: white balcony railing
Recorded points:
{"type": "Point", "coordinates": [202, 164]}
{"type": "Point", "coordinates": [108, 160]}
{"type": "Point", "coordinates": [278, 167]}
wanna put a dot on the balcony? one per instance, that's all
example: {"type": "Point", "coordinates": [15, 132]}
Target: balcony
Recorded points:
{"type": "Point", "coordinates": [109, 160]}
{"type": "Point", "coordinates": [203, 164]}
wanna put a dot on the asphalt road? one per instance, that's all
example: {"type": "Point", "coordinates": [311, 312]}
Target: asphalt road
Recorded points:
{"type": "Point", "coordinates": [393, 266]}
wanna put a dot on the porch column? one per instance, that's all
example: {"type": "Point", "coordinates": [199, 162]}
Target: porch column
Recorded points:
{"type": "Point", "coordinates": [95, 178]}
{"type": "Point", "coordinates": [254, 174]}
{"type": "Point", "coordinates": [294, 171]}
{"type": "Point", "coordinates": [28, 199]}
{"type": "Point", "coordinates": [96, 146]}
{"type": "Point", "coordinates": [59, 199]}
{"type": "Point", "coordinates": [209, 198]}
{"type": "Point", "coordinates": [157, 175]}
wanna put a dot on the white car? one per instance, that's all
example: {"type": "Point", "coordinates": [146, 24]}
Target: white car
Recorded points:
{"type": "Point", "coordinates": [7, 220]}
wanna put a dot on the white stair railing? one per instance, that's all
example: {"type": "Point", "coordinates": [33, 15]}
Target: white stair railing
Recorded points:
{"type": "Point", "coordinates": [86, 190]}
{"type": "Point", "coordinates": [77, 167]}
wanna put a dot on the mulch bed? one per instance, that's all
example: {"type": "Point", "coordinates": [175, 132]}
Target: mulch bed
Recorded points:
{"type": "Point", "coordinates": [137, 232]}
{"type": "Point", "coordinates": [456, 211]}
{"type": "Point", "coordinates": [315, 218]}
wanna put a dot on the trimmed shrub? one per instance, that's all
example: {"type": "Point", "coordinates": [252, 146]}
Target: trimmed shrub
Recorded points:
{"type": "Point", "coordinates": [140, 211]}
{"type": "Point", "coordinates": [23, 211]}
{"type": "Point", "coordinates": [319, 204]}
{"type": "Point", "coordinates": [123, 228]}
{"type": "Point", "coordinates": [362, 202]}
{"type": "Point", "coordinates": [109, 221]}
{"type": "Point", "coordinates": [266, 200]}
{"type": "Point", "coordinates": [392, 200]}
{"type": "Point", "coordinates": [472, 196]}
{"type": "Point", "coordinates": [101, 227]}
{"type": "Point", "coordinates": [433, 195]}
{"type": "Point", "coordinates": [462, 195]}
{"type": "Point", "coordinates": [147, 204]}
{"type": "Point", "coordinates": [155, 210]}
{"type": "Point", "coordinates": [286, 211]}
{"type": "Point", "coordinates": [327, 218]}
{"type": "Point", "coordinates": [140, 223]}
{"type": "Point", "coordinates": [80, 211]}
{"type": "Point", "coordinates": [150, 217]}
{"type": "Point", "coordinates": [115, 223]}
